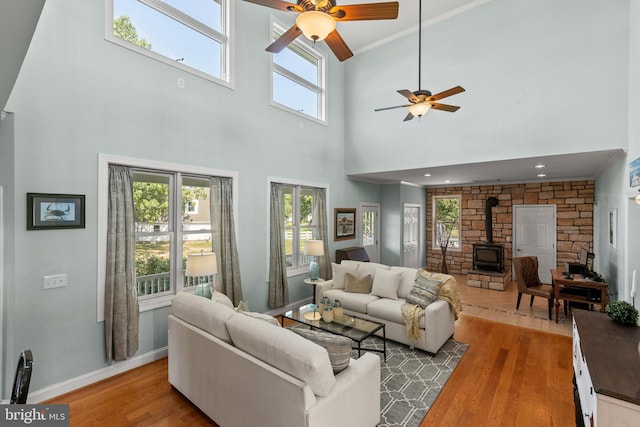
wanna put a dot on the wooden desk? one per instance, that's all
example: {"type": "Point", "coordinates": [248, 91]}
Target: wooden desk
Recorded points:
{"type": "Point", "coordinates": [559, 282]}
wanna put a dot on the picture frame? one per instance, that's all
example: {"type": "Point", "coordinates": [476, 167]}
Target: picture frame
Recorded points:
{"type": "Point", "coordinates": [55, 211]}
{"type": "Point", "coordinates": [344, 223]}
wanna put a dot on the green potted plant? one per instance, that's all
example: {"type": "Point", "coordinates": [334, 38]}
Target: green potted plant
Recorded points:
{"type": "Point", "coordinates": [622, 312]}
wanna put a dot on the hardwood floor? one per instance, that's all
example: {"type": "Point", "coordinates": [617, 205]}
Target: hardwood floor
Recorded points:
{"type": "Point", "coordinates": [509, 376]}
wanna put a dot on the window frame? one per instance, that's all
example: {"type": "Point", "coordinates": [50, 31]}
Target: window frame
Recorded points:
{"type": "Point", "coordinates": [434, 221]}
{"type": "Point", "coordinates": [320, 90]}
{"type": "Point", "coordinates": [143, 165]}
{"type": "Point", "coordinates": [226, 38]}
{"type": "Point", "coordinates": [304, 268]}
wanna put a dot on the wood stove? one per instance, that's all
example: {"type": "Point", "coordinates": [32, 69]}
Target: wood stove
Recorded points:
{"type": "Point", "coordinates": [488, 257]}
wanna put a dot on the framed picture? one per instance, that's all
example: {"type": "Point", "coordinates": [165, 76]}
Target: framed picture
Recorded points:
{"type": "Point", "coordinates": [51, 211]}
{"type": "Point", "coordinates": [345, 223]}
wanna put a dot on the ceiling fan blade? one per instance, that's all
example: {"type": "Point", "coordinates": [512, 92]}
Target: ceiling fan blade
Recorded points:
{"type": "Point", "coordinates": [283, 41]}
{"type": "Point", "coordinates": [338, 46]}
{"type": "Point", "coordinates": [409, 117]}
{"type": "Point", "coordinates": [277, 4]}
{"type": "Point", "coordinates": [409, 95]}
{"type": "Point", "coordinates": [363, 12]}
{"type": "Point", "coordinates": [445, 107]}
{"type": "Point", "coordinates": [391, 108]}
{"type": "Point", "coordinates": [446, 93]}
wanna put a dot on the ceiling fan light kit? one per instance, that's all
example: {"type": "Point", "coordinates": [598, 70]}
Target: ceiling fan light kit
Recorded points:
{"type": "Point", "coordinates": [421, 101]}
{"type": "Point", "coordinates": [317, 21]}
{"type": "Point", "coordinates": [315, 25]}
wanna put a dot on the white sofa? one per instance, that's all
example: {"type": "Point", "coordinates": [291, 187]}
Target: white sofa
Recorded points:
{"type": "Point", "coordinates": [244, 371]}
{"type": "Point", "coordinates": [436, 326]}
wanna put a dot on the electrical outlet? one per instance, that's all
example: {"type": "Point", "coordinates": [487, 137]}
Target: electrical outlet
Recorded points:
{"type": "Point", "coordinates": [54, 281]}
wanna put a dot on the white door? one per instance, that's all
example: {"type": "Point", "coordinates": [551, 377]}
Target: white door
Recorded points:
{"type": "Point", "coordinates": [370, 226]}
{"type": "Point", "coordinates": [411, 236]}
{"type": "Point", "coordinates": [535, 235]}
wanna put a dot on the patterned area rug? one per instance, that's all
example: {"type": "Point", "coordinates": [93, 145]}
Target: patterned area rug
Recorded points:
{"type": "Point", "coordinates": [411, 379]}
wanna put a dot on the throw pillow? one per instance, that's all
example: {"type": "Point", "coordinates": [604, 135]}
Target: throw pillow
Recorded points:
{"type": "Point", "coordinates": [361, 285]}
{"type": "Point", "coordinates": [242, 306]}
{"type": "Point", "coordinates": [425, 290]}
{"type": "Point", "coordinates": [385, 284]}
{"type": "Point", "coordinates": [221, 298]}
{"type": "Point", "coordinates": [339, 272]}
{"type": "Point", "coordinates": [338, 347]}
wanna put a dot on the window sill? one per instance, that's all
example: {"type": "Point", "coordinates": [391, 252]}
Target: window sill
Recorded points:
{"type": "Point", "coordinates": [153, 303]}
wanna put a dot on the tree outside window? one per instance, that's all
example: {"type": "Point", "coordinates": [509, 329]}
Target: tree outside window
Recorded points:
{"type": "Point", "coordinates": [446, 222]}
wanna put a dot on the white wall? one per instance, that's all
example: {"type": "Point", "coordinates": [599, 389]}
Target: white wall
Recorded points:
{"type": "Point", "coordinates": [541, 77]}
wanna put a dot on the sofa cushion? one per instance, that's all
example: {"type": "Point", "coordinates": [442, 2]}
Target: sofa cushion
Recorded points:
{"type": "Point", "coordinates": [338, 347]}
{"type": "Point", "coordinates": [389, 310]}
{"type": "Point", "coordinates": [221, 298]}
{"type": "Point", "coordinates": [340, 271]}
{"type": "Point", "coordinates": [261, 316]}
{"type": "Point", "coordinates": [361, 285]}
{"type": "Point", "coordinates": [210, 316]}
{"type": "Point", "coordinates": [282, 349]}
{"type": "Point", "coordinates": [407, 280]}
{"type": "Point", "coordinates": [351, 300]}
{"type": "Point", "coordinates": [365, 268]}
{"type": "Point", "coordinates": [385, 284]}
{"type": "Point", "coordinates": [425, 290]}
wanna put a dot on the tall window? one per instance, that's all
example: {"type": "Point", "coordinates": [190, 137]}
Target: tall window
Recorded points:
{"type": "Point", "coordinates": [297, 78]}
{"type": "Point", "coordinates": [166, 231]}
{"type": "Point", "coordinates": [446, 222]}
{"type": "Point", "coordinates": [192, 35]}
{"type": "Point", "coordinates": [299, 227]}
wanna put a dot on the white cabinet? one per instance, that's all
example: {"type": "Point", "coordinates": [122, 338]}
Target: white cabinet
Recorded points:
{"type": "Point", "coordinates": [607, 370]}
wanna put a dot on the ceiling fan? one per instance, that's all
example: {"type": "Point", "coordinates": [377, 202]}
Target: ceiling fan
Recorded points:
{"type": "Point", "coordinates": [421, 101]}
{"type": "Point", "coordinates": [317, 21]}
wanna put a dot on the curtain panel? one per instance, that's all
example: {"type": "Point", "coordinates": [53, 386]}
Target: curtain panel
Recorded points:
{"type": "Point", "coordinates": [223, 236]}
{"type": "Point", "coordinates": [320, 220]}
{"type": "Point", "coordinates": [278, 284]}
{"type": "Point", "coordinates": [121, 299]}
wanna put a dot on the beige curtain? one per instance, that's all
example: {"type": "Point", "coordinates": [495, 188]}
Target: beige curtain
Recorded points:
{"type": "Point", "coordinates": [320, 220]}
{"type": "Point", "coordinates": [223, 235]}
{"type": "Point", "coordinates": [121, 299]}
{"type": "Point", "coordinates": [278, 285]}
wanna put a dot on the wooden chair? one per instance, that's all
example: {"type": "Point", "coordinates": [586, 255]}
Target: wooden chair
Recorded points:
{"type": "Point", "coordinates": [526, 269]}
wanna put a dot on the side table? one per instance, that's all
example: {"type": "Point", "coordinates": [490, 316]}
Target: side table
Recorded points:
{"type": "Point", "coordinates": [313, 283]}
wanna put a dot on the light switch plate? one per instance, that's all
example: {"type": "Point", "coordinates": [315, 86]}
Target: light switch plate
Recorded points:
{"type": "Point", "coordinates": [54, 281]}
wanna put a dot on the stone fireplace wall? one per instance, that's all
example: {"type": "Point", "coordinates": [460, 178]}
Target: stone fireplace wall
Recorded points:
{"type": "Point", "coordinates": [574, 201]}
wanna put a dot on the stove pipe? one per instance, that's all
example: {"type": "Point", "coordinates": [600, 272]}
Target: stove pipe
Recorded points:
{"type": "Point", "coordinates": [488, 218]}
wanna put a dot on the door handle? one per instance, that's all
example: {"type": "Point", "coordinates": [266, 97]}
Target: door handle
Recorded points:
{"type": "Point", "coordinates": [518, 250]}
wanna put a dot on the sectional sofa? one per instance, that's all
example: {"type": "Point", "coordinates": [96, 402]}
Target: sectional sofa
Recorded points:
{"type": "Point", "coordinates": [383, 303]}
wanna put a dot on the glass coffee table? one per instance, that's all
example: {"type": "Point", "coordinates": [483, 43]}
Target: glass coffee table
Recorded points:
{"type": "Point", "coordinates": [353, 327]}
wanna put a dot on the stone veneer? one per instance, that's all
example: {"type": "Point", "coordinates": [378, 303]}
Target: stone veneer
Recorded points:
{"type": "Point", "coordinates": [574, 204]}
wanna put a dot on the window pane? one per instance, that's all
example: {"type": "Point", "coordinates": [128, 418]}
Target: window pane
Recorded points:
{"type": "Point", "coordinates": [153, 242]}
{"type": "Point", "coordinates": [368, 229]}
{"type": "Point", "coordinates": [447, 225]}
{"type": "Point", "coordinates": [299, 62]}
{"type": "Point", "coordinates": [295, 96]}
{"type": "Point", "coordinates": [206, 11]}
{"type": "Point", "coordinates": [196, 206]}
{"type": "Point", "coordinates": [194, 243]}
{"type": "Point", "coordinates": [148, 28]}
{"type": "Point", "coordinates": [153, 264]}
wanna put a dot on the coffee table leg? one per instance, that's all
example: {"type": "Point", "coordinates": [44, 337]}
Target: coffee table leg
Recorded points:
{"type": "Point", "coordinates": [384, 342]}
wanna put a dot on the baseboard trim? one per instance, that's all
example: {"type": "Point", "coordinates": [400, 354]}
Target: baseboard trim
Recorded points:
{"type": "Point", "coordinates": [72, 384]}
